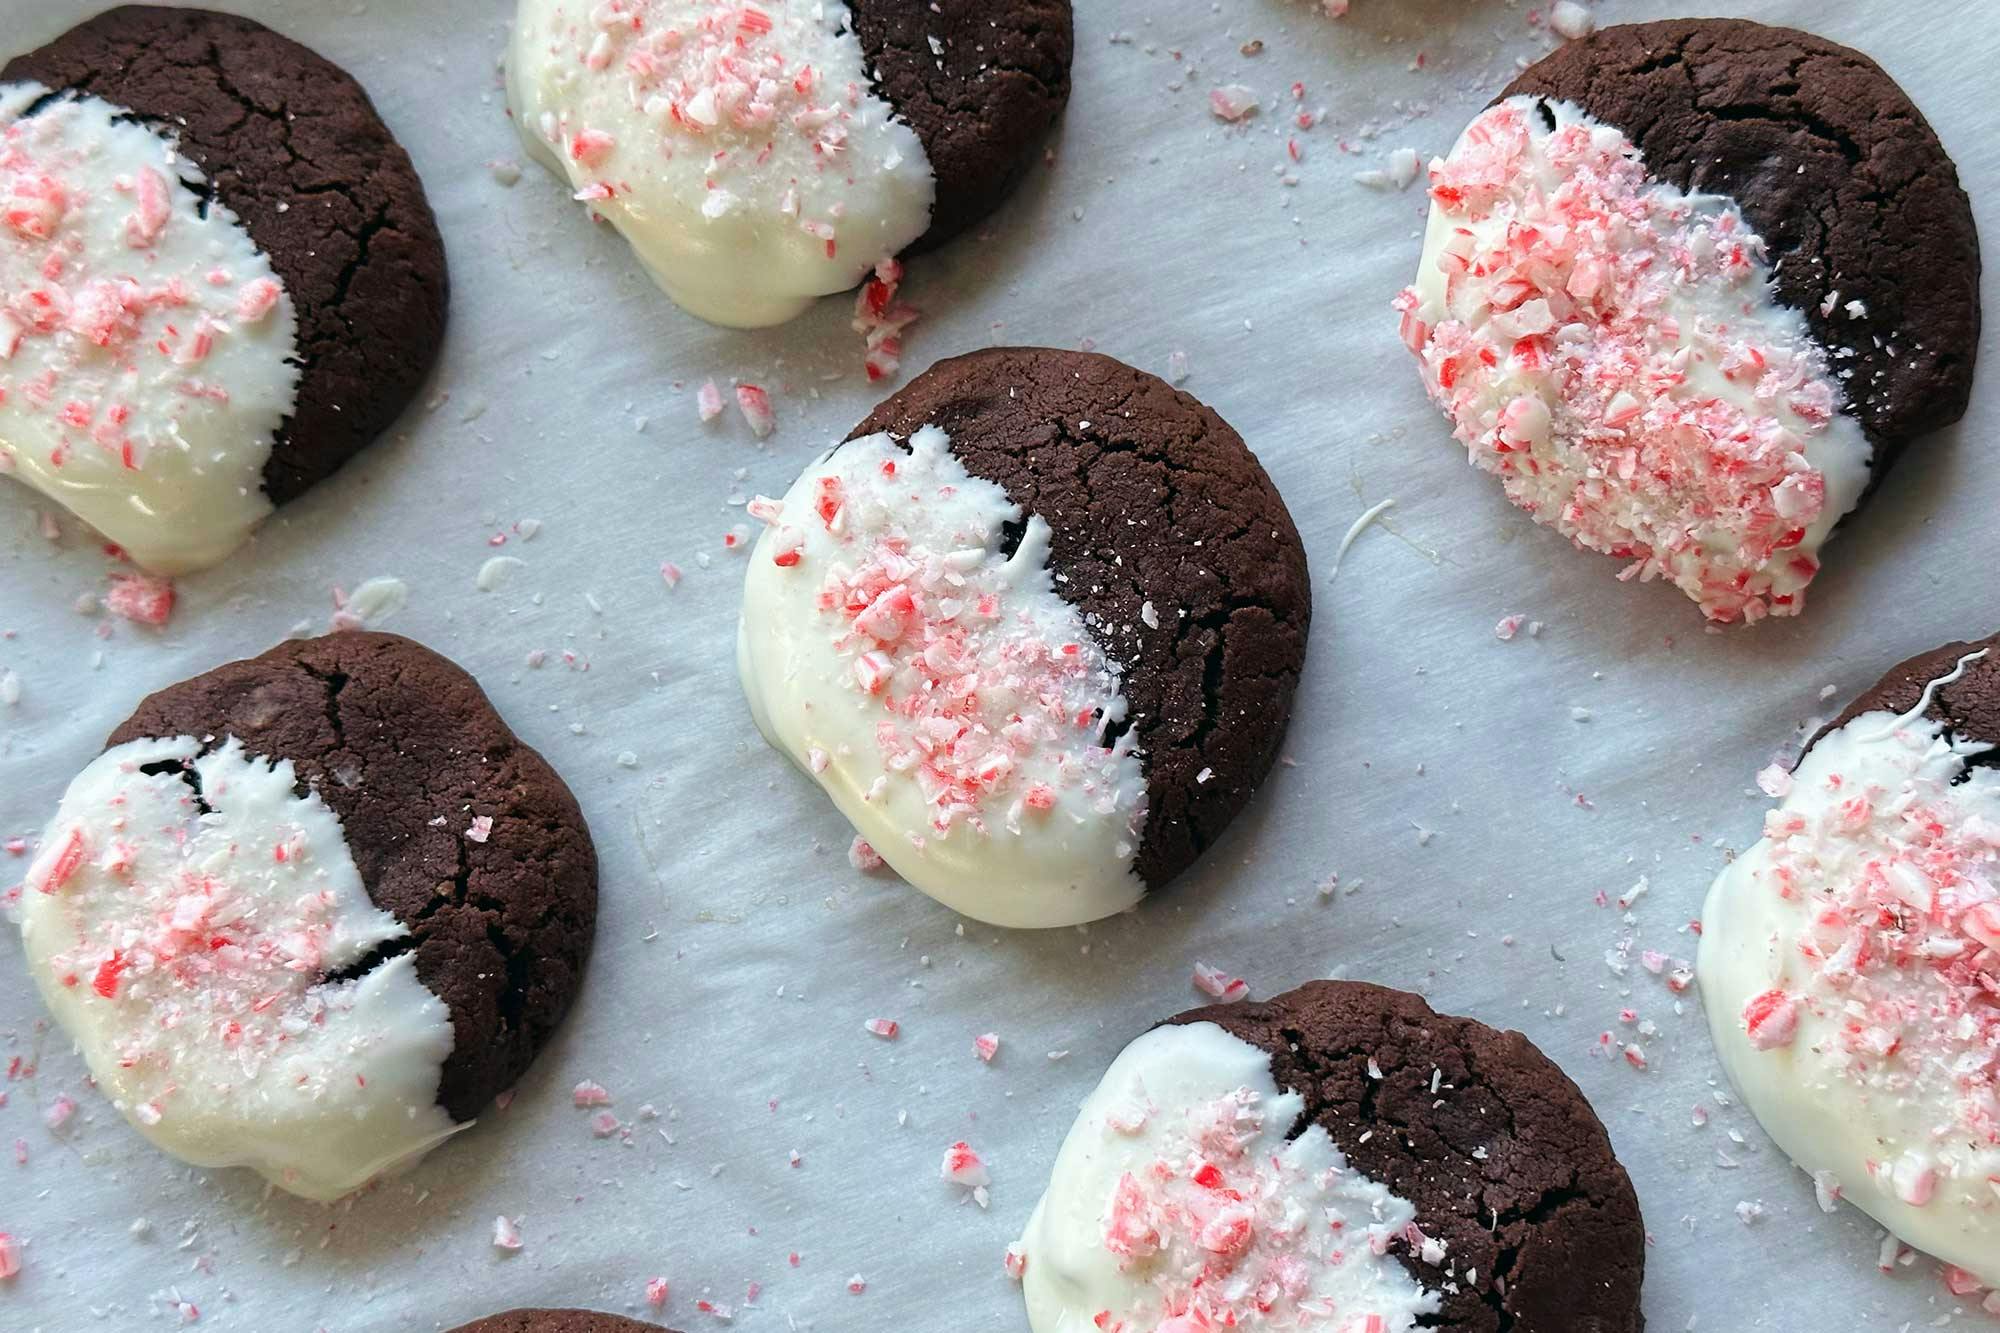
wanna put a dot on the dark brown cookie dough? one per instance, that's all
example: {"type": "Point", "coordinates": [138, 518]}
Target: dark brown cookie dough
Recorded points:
{"type": "Point", "coordinates": [1969, 706]}
{"type": "Point", "coordinates": [290, 144]}
{"type": "Point", "coordinates": [1504, 1159]}
{"type": "Point", "coordinates": [404, 747]}
{"type": "Point", "coordinates": [1149, 496]}
{"type": "Point", "coordinates": [557, 1321]}
{"type": "Point", "coordinates": [981, 100]}
{"type": "Point", "coordinates": [1837, 170]}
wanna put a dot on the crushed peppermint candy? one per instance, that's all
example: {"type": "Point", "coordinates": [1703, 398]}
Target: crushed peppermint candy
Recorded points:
{"type": "Point", "coordinates": [863, 857]}
{"type": "Point", "coordinates": [506, 1234]}
{"type": "Point", "coordinates": [880, 319]}
{"type": "Point", "coordinates": [886, 1028]}
{"type": "Point", "coordinates": [1214, 981]}
{"type": "Point", "coordinates": [963, 1166]}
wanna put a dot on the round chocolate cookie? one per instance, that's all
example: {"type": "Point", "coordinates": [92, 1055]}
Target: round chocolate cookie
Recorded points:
{"type": "Point", "coordinates": [1168, 535]}
{"type": "Point", "coordinates": [981, 85]}
{"type": "Point", "coordinates": [1969, 706]}
{"type": "Point", "coordinates": [1834, 167]}
{"type": "Point", "coordinates": [1457, 1178]}
{"type": "Point", "coordinates": [1847, 956]}
{"type": "Point", "coordinates": [462, 833]}
{"type": "Point", "coordinates": [1034, 627]}
{"type": "Point", "coordinates": [292, 146]}
{"type": "Point", "coordinates": [1505, 1160]}
{"type": "Point", "coordinates": [557, 1321]}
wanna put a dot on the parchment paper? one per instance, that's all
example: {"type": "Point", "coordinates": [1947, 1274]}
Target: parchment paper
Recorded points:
{"type": "Point", "coordinates": [1471, 813]}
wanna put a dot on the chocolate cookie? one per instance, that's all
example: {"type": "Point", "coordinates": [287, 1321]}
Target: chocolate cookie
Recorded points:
{"type": "Point", "coordinates": [1836, 169]}
{"type": "Point", "coordinates": [1706, 389]}
{"type": "Point", "coordinates": [291, 145]}
{"type": "Point", "coordinates": [556, 1321]}
{"type": "Point", "coordinates": [1505, 1160]}
{"type": "Point", "coordinates": [757, 159]}
{"type": "Point", "coordinates": [1847, 957]}
{"type": "Point", "coordinates": [462, 833]}
{"type": "Point", "coordinates": [1151, 499]}
{"type": "Point", "coordinates": [1082, 608]}
{"type": "Point", "coordinates": [1457, 1179]}
{"type": "Point", "coordinates": [982, 85]}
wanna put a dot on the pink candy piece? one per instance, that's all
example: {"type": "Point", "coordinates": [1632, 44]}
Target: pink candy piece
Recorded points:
{"type": "Point", "coordinates": [588, 1093]}
{"type": "Point", "coordinates": [141, 598]}
{"type": "Point", "coordinates": [885, 1028]}
{"type": "Point", "coordinates": [257, 299]}
{"type": "Point", "coordinates": [881, 319]}
{"type": "Point", "coordinates": [590, 147]}
{"type": "Point", "coordinates": [962, 1166]}
{"type": "Point", "coordinates": [755, 405]}
{"type": "Point", "coordinates": [1015, 1262]}
{"type": "Point", "coordinates": [1232, 103]}
{"type": "Point", "coordinates": [857, 1284]}
{"type": "Point", "coordinates": [506, 1235]}
{"type": "Point", "coordinates": [10, 1256]}
{"type": "Point", "coordinates": [656, 1292]}
{"type": "Point", "coordinates": [481, 829]}
{"type": "Point", "coordinates": [1213, 981]}
{"type": "Point", "coordinates": [1772, 1020]}
{"type": "Point", "coordinates": [708, 401]}
{"type": "Point", "coordinates": [863, 857]}
{"type": "Point", "coordinates": [986, 1046]}
{"type": "Point", "coordinates": [152, 208]}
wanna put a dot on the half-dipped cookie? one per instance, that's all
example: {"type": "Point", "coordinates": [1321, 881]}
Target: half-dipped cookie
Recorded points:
{"type": "Point", "coordinates": [1035, 628]}
{"type": "Point", "coordinates": [757, 156]}
{"type": "Point", "coordinates": [310, 912]}
{"type": "Point", "coordinates": [219, 277]}
{"type": "Point", "coordinates": [1688, 289]}
{"type": "Point", "coordinates": [1339, 1157]}
{"type": "Point", "coordinates": [1850, 959]}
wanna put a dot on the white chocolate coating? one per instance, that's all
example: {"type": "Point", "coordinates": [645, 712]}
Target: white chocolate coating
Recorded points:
{"type": "Point", "coordinates": [947, 699]}
{"type": "Point", "coordinates": [1177, 1204]}
{"type": "Point", "coordinates": [1611, 348]}
{"type": "Point", "coordinates": [185, 951]}
{"type": "Point", "coordinates": [740, 148]}
{"type": "Point", "coordinates": [147, 349]}
{"type": "Point", "coordinates": [1846, 965]}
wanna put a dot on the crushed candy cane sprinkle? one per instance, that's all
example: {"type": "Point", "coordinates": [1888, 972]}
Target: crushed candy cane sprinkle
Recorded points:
{"type": "Point", "coordinates": [1179, 1203]}
{"type": "Point", "coordinates": [911, 663]}
{"type": "Point", "coordinates": [1610, 348]}
{"type": "Point", "coordinates": [1855, 954]}
{"type": "Point", "coordinates": [146, 344]}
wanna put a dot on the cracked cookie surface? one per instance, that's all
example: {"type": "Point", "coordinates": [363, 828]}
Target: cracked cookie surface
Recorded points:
{"type": "Point", "coordinates": [557, 1321]}
{"type": "Point", "coordinates": [1838, 171]}
{"type": "Point", "coordinates": [980, 84]}
{"type": "Point", "coordinates": [1969, 706]}
{"type": "Point", "coordinates": [292, 145]}
{"type": "Point", "coordinates": [1151, 498]}
{"type": "Point", "coordinates": [1501, 1154]}
{"type": "Point", "coordinates": [406, 749]}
